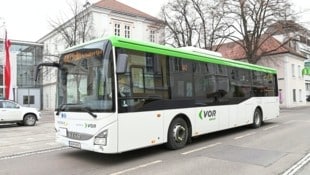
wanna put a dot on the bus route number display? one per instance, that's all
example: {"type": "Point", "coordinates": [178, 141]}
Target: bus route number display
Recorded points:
{"type": "Point", "coordinates": [82, 54]}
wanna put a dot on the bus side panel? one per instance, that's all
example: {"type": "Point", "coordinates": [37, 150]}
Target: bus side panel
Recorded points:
{"type": "Point", "coordinates": [246, 112]}
{"type": "Point", "coordinates": [140, 129]}
{"type": "Point", "coordinates": [270, 107]}
{"type": "Point", "coordinates": [209, 119]}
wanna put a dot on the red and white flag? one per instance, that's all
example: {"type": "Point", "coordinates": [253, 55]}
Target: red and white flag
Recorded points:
{"type": "Point", "coordinates": [8, 92]}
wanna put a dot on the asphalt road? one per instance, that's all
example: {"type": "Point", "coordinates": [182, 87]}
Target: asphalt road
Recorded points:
{"type": "Point", "coordinates": [275, 148]}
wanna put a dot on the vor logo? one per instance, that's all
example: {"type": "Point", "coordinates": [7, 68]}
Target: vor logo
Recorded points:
{"type": "Point", "coordinates": [209, 114]}
{"type": "Point", "coordinates": [86, 125]}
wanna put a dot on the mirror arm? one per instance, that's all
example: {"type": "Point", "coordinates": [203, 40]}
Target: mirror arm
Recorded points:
{"type": "Point", "coordinates": [38, 68]}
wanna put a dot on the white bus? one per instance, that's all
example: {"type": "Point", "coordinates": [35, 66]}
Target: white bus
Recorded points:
{"type": "Point", "coordinates": [117, 94]}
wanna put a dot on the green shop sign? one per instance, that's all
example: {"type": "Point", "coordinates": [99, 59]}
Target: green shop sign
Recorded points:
{"type": "Point", "coordinates": [306, 71]}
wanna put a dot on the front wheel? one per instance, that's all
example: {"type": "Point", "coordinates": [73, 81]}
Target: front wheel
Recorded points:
{"type": "Point", "coordinates": [30, 120]}
{"type": "Point", "coordinates": [177, 134]}
{"type": "Point", "coordinates": [257, 118]}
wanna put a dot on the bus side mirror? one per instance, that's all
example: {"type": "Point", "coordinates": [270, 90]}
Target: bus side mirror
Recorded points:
{"type": "Point", "coordinates": [121, 66]}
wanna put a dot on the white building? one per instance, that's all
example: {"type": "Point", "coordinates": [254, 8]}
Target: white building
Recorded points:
{"type": "Point", "coordinates": [291, 83]}
{"type": "Point", "coordinates": [109, 17]}
{"type": "Point", "coordinates": [299, 41]}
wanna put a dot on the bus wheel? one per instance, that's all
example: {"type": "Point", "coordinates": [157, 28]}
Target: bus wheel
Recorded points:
{"type": "Point", "coordinates": [178, 134]}
{"type": "Point", "coordinates": [257, 118]}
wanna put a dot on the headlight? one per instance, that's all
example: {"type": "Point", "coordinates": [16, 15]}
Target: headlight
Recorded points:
{"type": "Point", "coordinates": [101, 138]}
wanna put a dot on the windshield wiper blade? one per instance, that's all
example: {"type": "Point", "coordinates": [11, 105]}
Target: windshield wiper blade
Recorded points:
{"type": "Point", "coordinates": [89, 111]}
{"type": "Point", "coordinates": [86, 109]}
{"type": "Point", "coordinates": [60, 108]}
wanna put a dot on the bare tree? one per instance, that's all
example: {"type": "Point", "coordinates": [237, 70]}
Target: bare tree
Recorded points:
{"type": "Point", "coordinates": [250, 19]}
{"type": "Point", "coordinates": [212, 31]}
{"type": "Point", "coordinates": [180, 22]}
{"type": "Point", "coordinates": [194, 22]}
{"type": "Point", "coordinates": [71, 28]}
{"type": "Point", "coordinates": [76, 29]}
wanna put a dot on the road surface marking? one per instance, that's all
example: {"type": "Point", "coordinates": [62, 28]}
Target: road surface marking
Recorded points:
{"type": "Point", "coordinates": [137, 167]}
{"type": "Point", "coordinates": [271, 127]}
{"type": "Point", "coordinates": [202, 148]}
{"type": "Point", "coordinates": [246, 135]}
{"type": "Point", "coordinates": [24, 154]}
{"type": "Point", "coordinates": [298, 165]}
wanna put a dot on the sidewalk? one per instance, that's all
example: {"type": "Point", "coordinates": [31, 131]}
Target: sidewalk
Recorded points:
{"type": "Point", "coordinates": [307, 105]}
{"type": "Point", "coordinates": [15, 140]}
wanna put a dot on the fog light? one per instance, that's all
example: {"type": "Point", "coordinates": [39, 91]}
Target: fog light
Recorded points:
{"type": "Point", "coordinates": [101, 138]}
{"type": "Point", "coordinates": [101, 141]}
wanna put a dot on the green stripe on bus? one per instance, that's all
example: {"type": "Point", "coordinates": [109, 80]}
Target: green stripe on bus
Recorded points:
{"type": "Point", "coordinates": [175, 52]}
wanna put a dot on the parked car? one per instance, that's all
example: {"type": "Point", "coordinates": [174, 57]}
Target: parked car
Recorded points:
{"type": "Point", "coordinates": [308, 98]}
{"type": "Point", "coordinates": [12, 112]}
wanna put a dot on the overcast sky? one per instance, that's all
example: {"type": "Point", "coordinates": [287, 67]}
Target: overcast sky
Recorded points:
{"type": "Point", "coordinates": [28, 19]}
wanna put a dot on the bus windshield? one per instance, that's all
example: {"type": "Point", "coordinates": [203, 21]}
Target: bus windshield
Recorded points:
{"type": "Point", "coordinates": [85, 79]}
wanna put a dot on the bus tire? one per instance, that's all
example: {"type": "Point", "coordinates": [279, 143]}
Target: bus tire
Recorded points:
{"type": "Point", "coordinates": [30, 120]}
{"type": "Point", "coordinates": [257, 118]}
{"type": "Point", "coordinates": [178, 134]}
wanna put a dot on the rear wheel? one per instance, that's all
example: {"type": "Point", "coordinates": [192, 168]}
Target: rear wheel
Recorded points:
{"type": "Point", "coordinates": [30, 120]}
{"type": "Point", "coordinates": [257, 118]}
{"type": "Point", "coordinates": [178, 134]}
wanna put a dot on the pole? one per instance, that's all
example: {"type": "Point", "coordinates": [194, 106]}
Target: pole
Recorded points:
{"type": "Point", "coordinates": [3, 42]}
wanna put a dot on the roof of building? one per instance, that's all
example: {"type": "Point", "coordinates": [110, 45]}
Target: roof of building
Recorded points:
{"type": "Point", "coordinates": [285, 27]}
{"type": "Point", "coordinates": [119, 7]}
{"type": "Point", "coordinates": [271, 46]}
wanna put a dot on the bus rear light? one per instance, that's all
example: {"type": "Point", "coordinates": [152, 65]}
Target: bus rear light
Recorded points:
{"type": "Point", "coordinates": [101, 138]}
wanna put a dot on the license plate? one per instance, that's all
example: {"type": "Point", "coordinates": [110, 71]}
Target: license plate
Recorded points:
{"type": "Point", "coordinates": [63, 132]}
{"type": "Point", "coordinates": [75, 144]}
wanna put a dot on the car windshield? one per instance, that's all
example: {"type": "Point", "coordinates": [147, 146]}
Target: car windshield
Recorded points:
{"type": "Point", "coordinates": [85, 79]}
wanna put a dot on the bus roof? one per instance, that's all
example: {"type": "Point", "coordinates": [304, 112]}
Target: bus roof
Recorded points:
{"type": "Point", "coordinates": [177, 52]}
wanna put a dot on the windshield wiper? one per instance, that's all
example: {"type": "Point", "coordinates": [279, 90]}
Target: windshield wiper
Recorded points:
{"type": "Point", "coordinates": [86, 109]}
{"type": "Point", "coordinates": [60, 108]}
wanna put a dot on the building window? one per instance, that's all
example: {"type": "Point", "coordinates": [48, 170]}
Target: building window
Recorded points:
{"type": "Point", "coordinates": [28, 100]}
{"type": "Point", "coordinates": [152, 36]}
{"type": "Point", "coordinates": [127, 31]}
{"type": "Point", "coordinates": [293, 70]}
{"type": "Point", "coordinates": [117, 29]}
{"type": "Point", "coordinates": [300, 96]}
{"type": "Point", "coordinates": [299, 71]}
{"type": "Point", "coordinates": [123, 28]}
{"type": "Point", "coordinates": [294, 95]}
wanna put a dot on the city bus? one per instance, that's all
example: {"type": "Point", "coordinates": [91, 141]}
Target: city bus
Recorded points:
{"type": "Point", "coordinates": [117, 94]}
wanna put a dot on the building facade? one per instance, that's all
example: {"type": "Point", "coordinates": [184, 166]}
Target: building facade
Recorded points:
{"type": "Point", "coordinates": [298, 38]}
{"type": "Point", "coordinates": [24, 56]}
{"type": "Point", "coordinates": [109, 17]}
{"type": "Point", "coordinates": [291, 82]}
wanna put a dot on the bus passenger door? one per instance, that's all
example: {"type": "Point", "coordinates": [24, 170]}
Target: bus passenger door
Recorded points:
{"type": "Point", "coordinates": [139, 129]}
